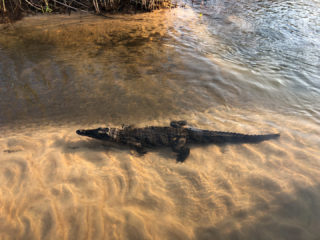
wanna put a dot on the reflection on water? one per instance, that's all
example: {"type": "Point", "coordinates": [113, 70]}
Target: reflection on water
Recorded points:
{"type": "Point", "coordinates": [241, 66]}
{"type": "Point", "coordinates": [77, 71]}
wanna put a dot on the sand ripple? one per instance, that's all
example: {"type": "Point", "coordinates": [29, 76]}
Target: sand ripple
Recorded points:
{"type": "Point", "coordinates": [57, 185]}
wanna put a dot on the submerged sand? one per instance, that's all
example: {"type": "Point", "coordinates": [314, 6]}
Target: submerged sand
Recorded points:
{"type": "Point", "coordinates": [58, 185]}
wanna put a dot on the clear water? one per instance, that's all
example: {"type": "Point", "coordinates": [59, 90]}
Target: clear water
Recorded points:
{"type": "Point", "coordinates": [241, 66]}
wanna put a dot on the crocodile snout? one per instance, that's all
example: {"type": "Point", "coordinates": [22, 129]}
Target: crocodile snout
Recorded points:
{"type": "Point", "coordinates": [80, 132]}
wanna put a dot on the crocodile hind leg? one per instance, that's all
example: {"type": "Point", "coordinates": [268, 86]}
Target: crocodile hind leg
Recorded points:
{"type": "Point", "coordinates": [181, 149]}
{"type": "Point", "coordinates": [183, 154]}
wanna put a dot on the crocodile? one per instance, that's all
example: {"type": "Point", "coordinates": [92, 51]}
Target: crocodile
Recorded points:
{"type": "Point", "coordinates": [177, 136]}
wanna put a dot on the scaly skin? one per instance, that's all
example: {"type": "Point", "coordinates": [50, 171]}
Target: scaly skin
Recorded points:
{"type": "Point", "coordinates": [176, 136]}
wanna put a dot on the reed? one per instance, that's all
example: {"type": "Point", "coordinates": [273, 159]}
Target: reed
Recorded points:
{"type": "Point", "coordinates": [11, 10]}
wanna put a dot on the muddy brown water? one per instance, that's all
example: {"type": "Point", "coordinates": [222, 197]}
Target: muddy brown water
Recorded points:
{"type": "Point", "coordinates": [241, 66]}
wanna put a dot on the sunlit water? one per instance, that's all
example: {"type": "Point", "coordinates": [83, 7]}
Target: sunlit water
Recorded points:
{"type": "Point", "coordinates": [241, 66]}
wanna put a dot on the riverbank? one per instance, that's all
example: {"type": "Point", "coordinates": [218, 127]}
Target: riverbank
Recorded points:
{"type": "Point", "coordinates": [12, 10]}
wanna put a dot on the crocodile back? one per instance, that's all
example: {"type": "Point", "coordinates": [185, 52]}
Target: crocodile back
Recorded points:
{"type": "Point", "coordinates": [154, 136]}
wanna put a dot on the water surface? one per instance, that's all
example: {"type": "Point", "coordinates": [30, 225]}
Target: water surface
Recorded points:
{"type": "Point", "coordinates": [241, 66]}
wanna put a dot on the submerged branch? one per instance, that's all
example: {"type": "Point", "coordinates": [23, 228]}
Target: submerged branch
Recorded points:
{"type": "Point", "coordinates": [4, 6]}
{"type": "Point", "coordinates": [33, 5]}
{"type": "Point", "coordinates": [67, 6]}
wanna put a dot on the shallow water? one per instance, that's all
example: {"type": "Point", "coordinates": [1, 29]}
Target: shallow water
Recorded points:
{"type": "Point", "coordinates": [241, 66]}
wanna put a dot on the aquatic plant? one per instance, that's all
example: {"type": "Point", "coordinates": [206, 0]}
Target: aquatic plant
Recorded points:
{"type": "Point", "coordinates": [14, 9]}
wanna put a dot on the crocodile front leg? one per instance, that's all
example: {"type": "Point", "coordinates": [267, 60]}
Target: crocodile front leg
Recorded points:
{"type": "Point", "coordinates": [137, 146]}
{"type": "Point", "coordinates": [179, 146]}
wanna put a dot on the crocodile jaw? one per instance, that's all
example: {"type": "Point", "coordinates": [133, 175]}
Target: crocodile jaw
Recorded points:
{"type": "Point", "coordinates": [99, 133]}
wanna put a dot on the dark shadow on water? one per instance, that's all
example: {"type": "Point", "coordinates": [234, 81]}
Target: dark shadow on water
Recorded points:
{"type": "Point", "coordinates": [99, 146]}
{"type": "Point", "coordinates": [93, 145]}
{"type": "Point", "coordinates": [105, 146]}
{"type": "Point", "coordinates": [83, 145]}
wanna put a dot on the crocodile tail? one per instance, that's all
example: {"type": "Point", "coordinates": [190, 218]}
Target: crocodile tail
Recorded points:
{"type": "Point", "coordinates": [205, 136]}
{"type": "Point", "coordinates": [245, 138]}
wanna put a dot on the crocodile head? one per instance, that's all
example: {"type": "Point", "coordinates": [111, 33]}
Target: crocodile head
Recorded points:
{"type": "Point", "coordinates": [98, 133]}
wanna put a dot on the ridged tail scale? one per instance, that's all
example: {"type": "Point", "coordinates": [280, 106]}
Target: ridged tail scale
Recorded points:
{"type": "Point", "coordinates": [206, 136]}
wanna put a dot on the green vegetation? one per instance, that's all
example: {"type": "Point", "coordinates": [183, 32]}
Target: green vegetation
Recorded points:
{"type": "Point", "coordinates": [11, 10]}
